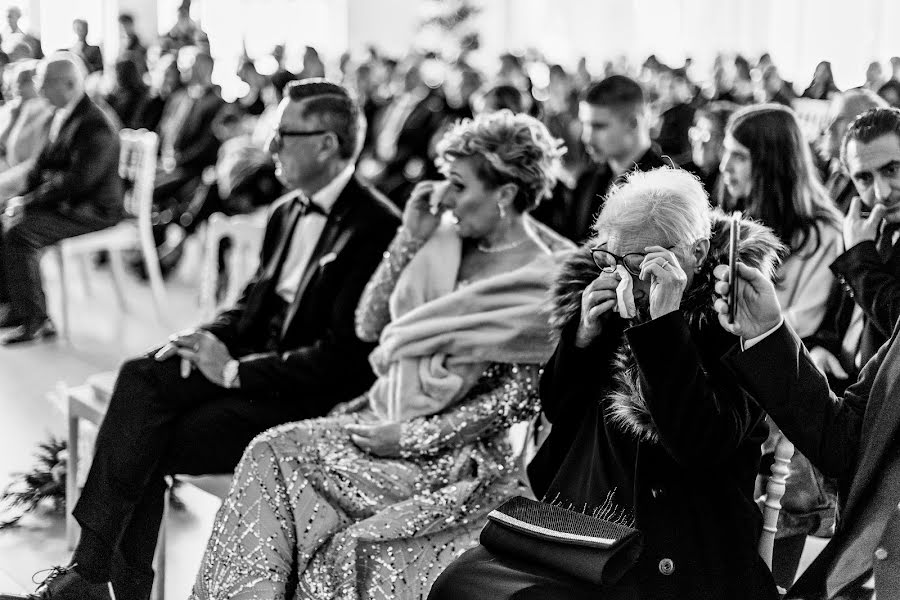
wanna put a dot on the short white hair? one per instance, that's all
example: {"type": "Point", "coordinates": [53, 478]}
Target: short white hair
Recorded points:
{"type": "Point", "coordinates": [670, 201]}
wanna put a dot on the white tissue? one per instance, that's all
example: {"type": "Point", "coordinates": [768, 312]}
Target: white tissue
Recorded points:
{"type": "Point", "coordinates": [625, 294]}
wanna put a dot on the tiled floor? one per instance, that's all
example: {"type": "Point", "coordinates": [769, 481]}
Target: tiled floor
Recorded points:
{"type": "Point", "coordinates": [101, 337]}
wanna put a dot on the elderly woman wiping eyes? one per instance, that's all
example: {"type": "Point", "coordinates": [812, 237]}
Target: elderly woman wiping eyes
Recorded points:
{"type": "Point", "coordinates": [648, 425]}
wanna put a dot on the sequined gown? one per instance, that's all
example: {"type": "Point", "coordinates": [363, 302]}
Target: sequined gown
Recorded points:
{"type": "Point", "coordinates": [310, 515]}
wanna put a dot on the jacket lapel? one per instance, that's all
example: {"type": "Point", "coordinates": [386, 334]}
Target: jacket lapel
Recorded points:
{"type": "Point", "coordinates": [881, 423]}
{"type": "Point", "coordinates": [332, 233]}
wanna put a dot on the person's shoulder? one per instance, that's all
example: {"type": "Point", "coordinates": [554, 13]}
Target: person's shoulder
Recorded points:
{"type": "Point", "coordinates": [371, 202]}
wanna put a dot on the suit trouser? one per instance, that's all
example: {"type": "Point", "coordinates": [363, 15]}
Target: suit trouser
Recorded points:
{"type": "Point", "coordinates": [159, 424]}
{"type": "Point", "coordinates": [21, 244]}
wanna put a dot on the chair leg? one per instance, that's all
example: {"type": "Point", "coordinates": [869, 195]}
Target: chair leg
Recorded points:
{"type": "Point", "coordinates": [72, 491]}
{"type": "Point", "coordinates": [84, 266]}
{"type": "Point", "coordinates": [159, 561]}
{"type": "Point", "coordinates": [63, 293]}
{"type": "Point", "coordinates": [117, 271]}
{"type": "Point", "coordinates": [157, 287]}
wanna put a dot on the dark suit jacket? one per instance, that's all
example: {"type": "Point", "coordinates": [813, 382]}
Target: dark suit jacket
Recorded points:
{"type": "Point", "coordinates": [195, 146]}
{"type": "Point", "coordinates": [875, 286]}
{"type": "Point", "coordinates": [78, 174]}
{"type": "Point", "coordinates": [845, 438]}
{"type": "Point", "coordinates": [587, 198]}
{"type": "Point", "coordinates": [318, 360]}
{"type": "Point", "coordinates": [91, 56]}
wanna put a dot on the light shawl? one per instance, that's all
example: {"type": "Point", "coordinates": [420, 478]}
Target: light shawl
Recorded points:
{"type": "Point", "coordinates": [442, 336]}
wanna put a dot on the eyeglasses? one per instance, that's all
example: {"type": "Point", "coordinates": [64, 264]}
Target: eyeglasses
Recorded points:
{"type": "Point", "coordinates": [279, 134]}
{"type": "Point", "coordinates": [607, 261]}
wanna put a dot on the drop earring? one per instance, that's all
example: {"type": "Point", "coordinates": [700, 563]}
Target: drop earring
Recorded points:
{"type": "Point", "coordinates": [502, 210]}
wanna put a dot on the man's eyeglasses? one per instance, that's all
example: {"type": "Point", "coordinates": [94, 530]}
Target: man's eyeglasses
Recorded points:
{"type": "Point", "coordinates": [607, 261]}
{"type": "Point", "coordinates": [280, 134]}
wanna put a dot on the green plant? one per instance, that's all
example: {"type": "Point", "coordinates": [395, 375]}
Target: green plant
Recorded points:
{"type": "Point", "coordinates": [45, 483]}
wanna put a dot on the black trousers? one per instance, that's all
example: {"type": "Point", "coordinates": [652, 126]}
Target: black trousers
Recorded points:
{"type": "Point", "coordinates": [21, 245]}
{"type": "Point", "coordinates": [159, 424]}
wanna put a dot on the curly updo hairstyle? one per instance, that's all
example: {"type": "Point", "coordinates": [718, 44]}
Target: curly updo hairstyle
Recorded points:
{"type": "Point", "coordinates": [506, 148]}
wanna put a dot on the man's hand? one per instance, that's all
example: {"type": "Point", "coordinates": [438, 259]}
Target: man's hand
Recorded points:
{"type": "Point", "coordinates": [598, 298]}
{"type": "Point", "coordinates": [378, 439]}
{"type": "Point", "coordinates": [667, 280]}
{"type": "Point", "coordinates": [204, 350]}
{"type": "Point", "coordinates": [827, 363]}
{"type": "Point", "coordinates": [757, 311]}
{"type": "Point", "coordinates": [858, 228]}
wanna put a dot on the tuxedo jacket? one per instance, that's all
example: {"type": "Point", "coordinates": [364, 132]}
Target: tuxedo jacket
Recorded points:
{"type": "Point", "coordinates": [314, 355]}
{"type": "Point", "coordinates": [78, 173]}
{"type": "Point", "coordinates": [846, 438]}
{"type": "Point", "coordinates": [196, 147]}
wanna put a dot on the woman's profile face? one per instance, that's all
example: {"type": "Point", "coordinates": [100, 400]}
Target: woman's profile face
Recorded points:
{"type": "Point", "coordinates": [736, 168]}
{"type": "Point", "coordinates": [472, 203]}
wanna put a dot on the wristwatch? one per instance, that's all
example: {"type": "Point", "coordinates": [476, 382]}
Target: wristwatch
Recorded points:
{"type": "Point", "coordinates": [230, 373]}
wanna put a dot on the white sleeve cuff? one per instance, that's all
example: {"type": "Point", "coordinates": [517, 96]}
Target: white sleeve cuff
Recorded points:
{"type": "Point", "coordinates": [747, 344]}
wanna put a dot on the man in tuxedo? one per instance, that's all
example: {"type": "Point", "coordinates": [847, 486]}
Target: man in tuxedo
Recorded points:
{"type": "Point", "coordinates": [73, 188]}
{"type": "Point", "coordinates": [286, 351]}
{"type": "Point", "coordinates": [616, 133]}
{"type": "Point", "coordinates": [855, 438]}
{"type": "Point", "coordinates": [187, 146]}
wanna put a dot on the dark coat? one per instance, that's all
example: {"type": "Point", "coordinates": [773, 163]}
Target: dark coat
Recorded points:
{"type": "Point", "coordinates": [585, 201]}
{"type": "Point", "coordinates": [846, 438]}
{"type": "Point", "coordinates": [648, 418]}
{"type": "Point", "coordinates": [78, 173]}
{"type": "Point", "coordinates": [316, 355]}
{"type": "Point", "coordinates": [196, 147]}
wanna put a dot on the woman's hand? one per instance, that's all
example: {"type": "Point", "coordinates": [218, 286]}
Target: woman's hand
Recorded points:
{"type": "Point", "coordinates": [667, 280]}
{"type": "Point", "coordinates": [378, 439]}
{"type": "Point", "coordinates": [757, 311]}
{"type": "Point", "coordinates": [598, 298]}
{"type": "Point", "coordinates": [423, 210]}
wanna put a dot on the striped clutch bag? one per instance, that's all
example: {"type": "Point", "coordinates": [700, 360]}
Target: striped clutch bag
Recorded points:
{"type": "Point", "coordinates": [595, 549]}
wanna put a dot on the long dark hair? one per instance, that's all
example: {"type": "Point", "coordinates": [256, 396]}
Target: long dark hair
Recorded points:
{"type": "Point", "coordinates": [786, 193]}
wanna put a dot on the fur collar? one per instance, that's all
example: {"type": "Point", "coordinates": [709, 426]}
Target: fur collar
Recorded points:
{"type": "Point", "coordinates": [625, 404]}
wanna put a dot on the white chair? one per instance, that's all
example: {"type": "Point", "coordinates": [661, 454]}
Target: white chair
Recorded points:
{"type": "Point", "coordinates": [89, 402]}
{"type": "Point", "coordinates": [137, 165]}
{"type": "Point", "coordinates": [775, 487]}
{"type": "Point", "coordinates": [246, 235]}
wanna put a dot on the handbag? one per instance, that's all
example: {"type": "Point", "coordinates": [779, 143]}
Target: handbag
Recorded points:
{"type": "Point", "coordinates": [586, 547]}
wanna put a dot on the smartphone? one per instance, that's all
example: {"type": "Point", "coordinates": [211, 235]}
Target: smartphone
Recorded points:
{"type": "Point", "coordinates": [734, 236]}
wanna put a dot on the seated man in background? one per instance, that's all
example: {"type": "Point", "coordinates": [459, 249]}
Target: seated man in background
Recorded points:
{"type": "Point", "coordinates": [24, 129]}
{"type": "Point", "coordinates": [286, 351]}
{"type": "Point", "coordinates": [187, 146]}
{"type": "Point", "coordinates": [90, 55]}
{"type": "Point", "coordinates": [865, 314]}
{"type": "Point", "coordinates": [73, 188]}
{"type": "Point", "coordinates": [616, 134]}
{"type": "Point", "coordinates": [843, 109]}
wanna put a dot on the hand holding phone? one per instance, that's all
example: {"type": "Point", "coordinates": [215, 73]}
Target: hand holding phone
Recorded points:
{"type": "Point", "coordinates": [734, 238]}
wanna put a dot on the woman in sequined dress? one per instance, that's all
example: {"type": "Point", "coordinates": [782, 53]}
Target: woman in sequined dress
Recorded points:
{"type": "Point", "coordinates": [376, 499]}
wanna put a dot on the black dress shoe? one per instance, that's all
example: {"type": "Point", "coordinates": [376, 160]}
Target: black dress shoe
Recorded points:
{"type": "Point", "coordinates": [64, 583]}
{"type": "Point", "coordinates": [29, 332]}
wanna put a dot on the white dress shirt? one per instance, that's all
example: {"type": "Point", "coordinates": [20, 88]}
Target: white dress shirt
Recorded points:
{"type": "Point", "coordinates": [61, 116]}
{"type": "Point", "coordinates": [307, 234]}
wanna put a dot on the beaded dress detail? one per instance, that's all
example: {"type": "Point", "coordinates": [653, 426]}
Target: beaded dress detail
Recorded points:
{"type": "Point", "coordinates": [311, 515]}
